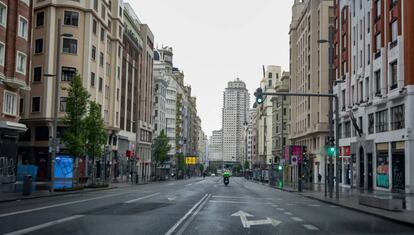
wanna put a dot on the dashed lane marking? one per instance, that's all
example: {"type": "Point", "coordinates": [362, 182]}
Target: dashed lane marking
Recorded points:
{"type": "Point", "coordinates": [333, 206]}
{"type": "Point", "coordinates": [310, 227]}
{"type": "Point", "coordinates": [297, 219]}
{"type": "Point", "coordinates": [188, 184]}
{"type": "Point", "coordinates": [239, 202]}
{"type": "Point", "coordinates": [280, 209]}
{"type": "Point", "coordinates": [288, 213]}
{"type": "Point", "coordinates": [141, 198]}
{"type": "Point", "coordinates": [314, 205]}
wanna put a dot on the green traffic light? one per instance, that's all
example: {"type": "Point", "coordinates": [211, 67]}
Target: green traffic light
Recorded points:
{"type": "Point", "coordinates": [331, 151]}
{"type": "Point", "coordinates": [259, 101]}
{"type": "Point", "coordinates": [280, 168]}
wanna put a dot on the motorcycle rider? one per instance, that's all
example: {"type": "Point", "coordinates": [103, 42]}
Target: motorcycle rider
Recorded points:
{"type": "Point", "coordinates": [226, 177]}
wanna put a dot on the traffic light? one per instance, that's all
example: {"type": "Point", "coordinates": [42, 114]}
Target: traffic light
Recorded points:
{"type": "Point", "coordinates": [280, 167]}
{"type": "Point", "coordinates": [331, 151]}
{"type": "Point", "coordinates": [259, 96]}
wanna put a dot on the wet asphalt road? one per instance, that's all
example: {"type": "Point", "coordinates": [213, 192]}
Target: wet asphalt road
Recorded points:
{"type": "Point", "coordinates": [193, 206]}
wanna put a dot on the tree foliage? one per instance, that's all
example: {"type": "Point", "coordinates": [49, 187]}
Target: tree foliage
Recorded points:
{"type": "Point", "coordinates": [96, 135]}
{"type": "Point", "coordinates": [161, 148]}
{"type": "Point", "coordinates": [76, 108]}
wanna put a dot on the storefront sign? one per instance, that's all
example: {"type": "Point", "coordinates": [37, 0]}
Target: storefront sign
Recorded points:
{"type": "Point", "coordinates": [297, 151]}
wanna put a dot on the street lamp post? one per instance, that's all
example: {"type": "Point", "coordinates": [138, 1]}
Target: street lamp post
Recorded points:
{"type": "Point", "coordinates": [56, 107]}
{"type": "Point", "coordinates": [331, 134]}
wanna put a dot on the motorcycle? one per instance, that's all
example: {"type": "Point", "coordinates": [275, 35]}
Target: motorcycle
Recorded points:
{"type": "Point", "coordinates": [226, 180]}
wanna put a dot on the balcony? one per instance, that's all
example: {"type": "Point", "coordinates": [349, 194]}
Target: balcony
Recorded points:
{"type": "Point", "coordinates": [393, 44]}
{"type": "Point", "coordinates": [377, 54]}
{"type": "Point", "coordinates": [16, 83]}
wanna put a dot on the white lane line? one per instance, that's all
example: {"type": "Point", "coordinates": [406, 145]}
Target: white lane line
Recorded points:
{"type": "Point", "coordinates": [297, 219]}
{"type": "Point", "coordinates": [290, 204]}
{"type": "Point", "coordinates": [274, 205]}
{"type": "Point", "coordinates": [310, 227]}
{"type": "Point", "coordinates": [173, 228]}
{"type": "Point", "coordinates": [170, 184]}
{"type": "Point", "coordinates": [185, 225]}
{"type": "Point", "coordinates": [141, 198]}
{"type": "Point", "coordinates": [314, 205]}
{"type": "Point", "coordinates": [280, 209]}
{"type": "Point", "coordinates": [45, 225]}
{"type": "Point", "coordinates": [216, 196]}
{"type": "Point", "coordinates": [288, 213]}
{"type": "Point", "coordinates": [188, 184]}
{"type": "Point", "coordinates": [59, 205]}
{"type": "Point", "coordinates": [238, 202]}
{"type": "Point", "coordinates": [333, 206]}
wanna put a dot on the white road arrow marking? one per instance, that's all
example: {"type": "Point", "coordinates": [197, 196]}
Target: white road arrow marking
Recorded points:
{"type": "Point", "coordinates": [246, 223]}
{"type": "Point", "coordinates": [172, 198]}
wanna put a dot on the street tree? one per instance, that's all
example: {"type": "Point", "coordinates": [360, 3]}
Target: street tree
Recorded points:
{"type": "Point", "coordinates": [96, 135]}
{"type": "Point", "coordinates": [161, 149]}
{"type": "Point", "coordinates": [74, 136]}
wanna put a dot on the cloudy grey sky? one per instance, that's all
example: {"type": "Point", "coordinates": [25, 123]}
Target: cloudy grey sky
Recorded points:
{"type": "Point", "coordinates": [215, 41]}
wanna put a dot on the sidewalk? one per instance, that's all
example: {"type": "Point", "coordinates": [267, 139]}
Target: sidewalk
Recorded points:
{"type": "Point", "coordinates": [348, 198]}
{"type": "Point", "coordinates": [15, 196]}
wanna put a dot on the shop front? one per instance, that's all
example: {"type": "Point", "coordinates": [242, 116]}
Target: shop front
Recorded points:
{"type": "Point", "coordinates": [398, 166]}
{"type": "Point", "coordinates": [382, 166]}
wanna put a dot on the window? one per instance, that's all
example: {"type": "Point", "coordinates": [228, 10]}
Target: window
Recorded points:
{"type": "Point", "coordinates": [367, 87]}
{"type": "Point", "coordinates": [100, 84]}
{"type": "Point", "coordinates": [38, 46]}
{"type": "Point", "coordinates": [3, 14]}
{"type": "Point", "coordinates": [2, 51]}
{"type": "Point", "coordinates": [377, 42]}
{"type": "Point", "coordinates": [378, 9]}
{"type": "Point", "coordinates": [23, 27]}
{"type": "Point", "coordinates": [394, 75]}
{"type": "Point", "coordinates": [382, 121]}
{"type": "Point", "coordinates": [361, 92]}
{"type": "Point", "coordinates": [394, 31]}
{"type": "Point", "coordinates": [35, 104]}
{"type": "Point", "coordinates": [340, 130]}
{"type": "Point", "coordinates": [347, 129]}
{"type": "Point", "coordinates": [63, 104]}
{"type": "Point", "coordinates": [10, 103]}
{"type": "Point", "coordinates": [103, 11]}
{"type": "Point", "coordinates": [68, 74]}
{"type": "Point", "coordinates": [369, 54]}
{"type": "Point", "coordinates": [369, 22]}
{"type": "Point", "coordinates": [371, 123]}
{"type": "Point", "coordinates": [343, 100]}
{"type": "Point", "coordinates": [377, 82]}
{"type": "Point", "coordinates": [102, 34]}
{"type": "Point", "coordinates": [101, 59]}
{"type": "Point", "coordinates": [40, 19]}
{"type": "Point", "coordinates": [21, 63]}
{"type": "Point", "coordinates": [21, 106]}
{"type": "Point", "coordinates": [270, 75]}
{"type": "Point", "coordinates": [93, 53]}
{"type": "Point", "coordinates": [397, 117]}
{"type": "Point", "coordinates": [71, 18]}
{"type": "Point", "coordinates": [270, 83]}
{"type": "Point", "coordinates": [70, 46]}
{"type": "Point", "coordinates": [94, 26]}
{"type": "Point", "coordinates": [37, 74]}
{"type": "Point", "coordinates": [95, 5]}
{"type": "Point", "coordinates": [92, 79]}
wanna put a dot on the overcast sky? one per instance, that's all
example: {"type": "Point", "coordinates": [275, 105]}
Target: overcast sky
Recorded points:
{"type": "Point", "coordinates": [215, 41]}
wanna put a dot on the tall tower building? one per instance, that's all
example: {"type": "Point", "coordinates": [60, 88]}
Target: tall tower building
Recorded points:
{"type": "Point", "coordinates": [235, 116]}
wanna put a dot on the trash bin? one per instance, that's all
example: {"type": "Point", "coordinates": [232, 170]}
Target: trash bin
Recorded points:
{"type": "Point", "coordinates": [27, 185]}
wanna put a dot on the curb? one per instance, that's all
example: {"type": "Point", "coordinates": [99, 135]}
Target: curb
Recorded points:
{"type": "Point", "coordinates": [408, 223]}
{"type": "Point", "coordinates": [56, 195]}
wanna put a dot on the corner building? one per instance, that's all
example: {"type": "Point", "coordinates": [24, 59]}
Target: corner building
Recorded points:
{"type": "Point", "coordinates": [94, 52]}
{"type": "Point", "coordinates": [374, 57]}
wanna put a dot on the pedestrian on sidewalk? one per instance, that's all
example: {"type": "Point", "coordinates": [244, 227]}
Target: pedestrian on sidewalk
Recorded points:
{"type": "Point", "coordinates": [319, 178]}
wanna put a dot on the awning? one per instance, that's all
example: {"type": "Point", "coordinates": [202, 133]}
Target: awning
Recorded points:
{"type": "Point", "coordinates": [13, 126]}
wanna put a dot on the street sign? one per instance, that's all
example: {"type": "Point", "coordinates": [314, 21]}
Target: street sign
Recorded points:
{"type": "Point", "coordinates": [247, 223]}
{"type": "Point", "coordinates": [294, 160]}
